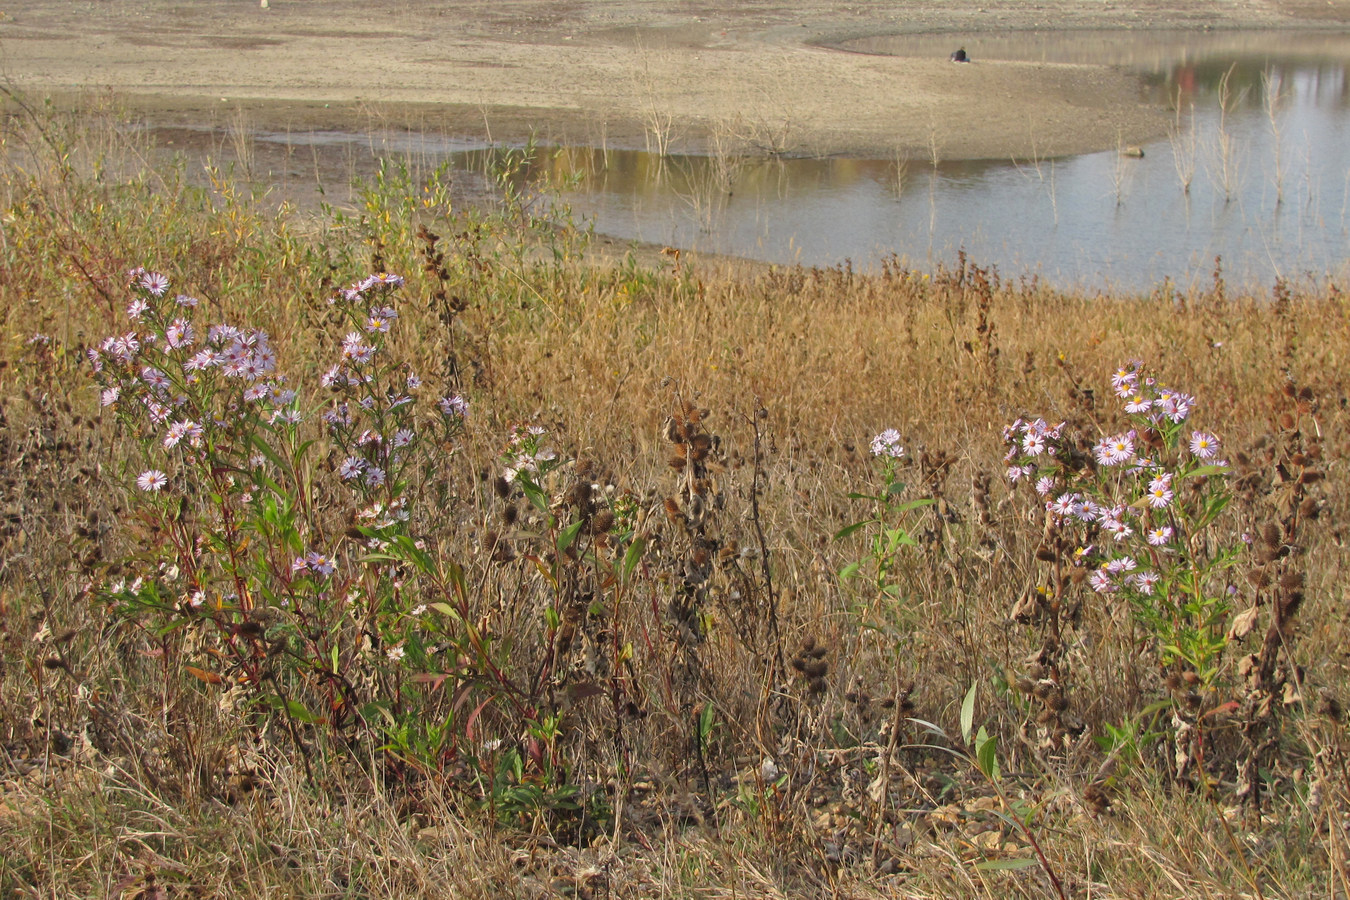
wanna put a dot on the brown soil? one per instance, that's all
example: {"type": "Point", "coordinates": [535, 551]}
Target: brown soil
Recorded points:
{"type": "Point", "coordinates": [618, 72]}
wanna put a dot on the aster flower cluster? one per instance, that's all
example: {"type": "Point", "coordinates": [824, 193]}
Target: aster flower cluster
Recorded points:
{"type": "Point", "coordinates": [527, 455]}
{"type": "Point", "coordinates": [187, 388]}
{"type": "Point", "coordinates": [240, 490]}
{"type": "Point", "coordinates": [372, 404]}
{"type": "Point", "coordinates": [1132, 501]}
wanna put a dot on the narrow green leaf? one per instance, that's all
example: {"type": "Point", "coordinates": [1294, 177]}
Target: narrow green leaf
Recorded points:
{"type": "Point", "coordinates": [633, 556]}
{"type": "Point", "coordinates": [568, 535]}
{"type": "Point", "coordinates": [849, 529]}
{"type": "Point", "coordinates": [986, 753]}
{"type": "Point", "coordinates": [968, 714]}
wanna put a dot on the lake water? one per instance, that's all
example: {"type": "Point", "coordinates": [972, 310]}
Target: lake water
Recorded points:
{"type": "Point", "coordinates": [1269, 188]}
{"type": "Point", "coordinates": [1261, 139]}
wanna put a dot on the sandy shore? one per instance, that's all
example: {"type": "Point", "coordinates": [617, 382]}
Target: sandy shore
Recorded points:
{"type": "Point", "coordinates": [629, 73]}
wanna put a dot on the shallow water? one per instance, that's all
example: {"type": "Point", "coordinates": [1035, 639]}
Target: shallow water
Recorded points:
{"type": "Point", "coordinates": [1256, 172]}
{"type": "Point", "coordinates": [1269, 188]}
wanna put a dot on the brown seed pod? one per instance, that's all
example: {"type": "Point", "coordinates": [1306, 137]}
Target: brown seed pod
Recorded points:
{"type": "Point", "coordinates": [1271, 536]}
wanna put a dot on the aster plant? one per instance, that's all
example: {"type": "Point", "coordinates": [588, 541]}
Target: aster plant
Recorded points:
{"type": "Point", "coordinates": [1129, 519]}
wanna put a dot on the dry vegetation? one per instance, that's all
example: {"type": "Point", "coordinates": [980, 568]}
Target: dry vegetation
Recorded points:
{"type": "Point", "coordinates": [647, 674]}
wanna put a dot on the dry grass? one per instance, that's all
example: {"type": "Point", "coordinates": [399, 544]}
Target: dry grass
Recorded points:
{"type": "Point", "coordinates": [120, 776]}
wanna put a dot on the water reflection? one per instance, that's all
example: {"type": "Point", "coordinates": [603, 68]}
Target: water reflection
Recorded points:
{"type": "Point", "coordinates": [1256, 171]}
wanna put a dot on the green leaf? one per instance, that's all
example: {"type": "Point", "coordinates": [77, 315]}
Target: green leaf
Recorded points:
{"type": "Point", "coordinates": [849, 529]}
{"type": "Point", "coordinates": [568, 535]}
{"type": "Point", "coordinates": [849, 571]}
{"type": "Point", "coordinates": [968, 713]}
{"type": "Point", "coordinates": [894, 488]}
{"type": "Point", "coordinates": [633, 556]}
{"type": "Point", "coordinates": [986, 753]}
{"type": "Point", "coordinates": [1020, 862]}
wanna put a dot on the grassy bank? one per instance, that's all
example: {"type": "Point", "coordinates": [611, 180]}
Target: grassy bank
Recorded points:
{"type": "Point", "coordinates": [636, 603]}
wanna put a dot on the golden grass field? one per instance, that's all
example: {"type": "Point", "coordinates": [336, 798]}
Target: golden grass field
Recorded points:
{"type": "Point", "coordinates": [647, 677]}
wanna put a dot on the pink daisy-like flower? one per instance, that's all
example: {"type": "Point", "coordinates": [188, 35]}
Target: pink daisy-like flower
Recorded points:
{"type": "Point", "coordinates": [154, 283]}
{"type": "Point", "coordinates": [136, 308]}
{"type": "Point", "coordinates": [1160, 535]}
{"type": "Point", "coordinates": [1044, 485]}
{"type": "Point", "coordinates": [319, 563]}
{"type": "Point", "coordinates": [1124, 381]}
{"type": "Point", "coordinates": [151, 480]}
{"type": "Point", "coordinates": [1117, 528]}
{"type": "Point", "coordinates": [1160, 491]}
{"type": "Point", "coordinates": [888, 444]}
{"type": "Point", "coordinates": [179, 333]}
{"type": "Point", "coordinates": [185, 301]}
{"type": "Point", "coordinates": [351, 468]}
{"type": "Point", "coordinates": [374, 476]}
{"type": "Point", "coordinates": [1101, 582]}
{"type": "Point", "coordinates": [1063, 505]}
{"type": "Point", "coordinates": [456, 407]}
{"type": "Point", "coordinates": [177, 431]}
{"type": "Point", "coordinates": [1033, 444]}
{"type": "Point", "coordinates": [109, 396]}
{"type": "Point", "coordinates": [1138, 404]}
{"type": "Point", "coordinates": [1204, 445]}
{"type": "Point", "coordinates": [202, 359]}
{"type": "Point", "coordinates": [1145, 581]}
{"type": "Point", "coordinates": [1120, 565]}
{"type": "Point", "coordinates": [1115, 450]}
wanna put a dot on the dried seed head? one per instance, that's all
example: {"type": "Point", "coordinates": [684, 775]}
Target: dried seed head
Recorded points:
{"type": "Point", "coordinates": [1258, 578]}
{"type": "Point", "coordinates": [1045, 554]}
{"type": "Point", "coordinates": [816, 668]}
{"type": "Point", "coordinates": [1024, 685]}
{"type": "Point", "coordinates": [1291, 603]}
{"type": "Point", "coordinates": [673, 509]}
{"type": "Point", "coordinates": [1287, 421]}
{"type": "Point", "coordinates": [1173, 681]}
{"type": "Point", "coordinates": [510, 514]}
{"type": "Point", "coordinates": [604, 521]}
{"type": "Point", "coordinates": [1291, 581]}
{"type": "Point", "coordinates": [501, 487]}
{"type": "Point", "coordinates": [1057, 702]}
{"type": "Point", "coordinates": [1270, 535]}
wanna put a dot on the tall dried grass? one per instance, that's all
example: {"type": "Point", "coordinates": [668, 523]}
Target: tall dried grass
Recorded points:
{"type": "Point", "coordinates": [122, 777]}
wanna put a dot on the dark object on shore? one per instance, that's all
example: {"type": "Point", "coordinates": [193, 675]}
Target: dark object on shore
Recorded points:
{"type": "Point", "coordinates": [959, 56]}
